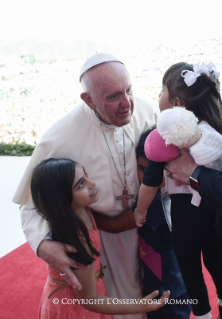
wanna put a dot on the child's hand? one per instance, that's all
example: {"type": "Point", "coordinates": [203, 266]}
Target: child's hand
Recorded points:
{"type": "Point", "coordinates": [153, 304]}
{"type": "Point", "coordinates": [140, 218]}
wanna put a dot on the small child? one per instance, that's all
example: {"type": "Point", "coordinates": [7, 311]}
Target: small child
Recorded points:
{"type": "Point", "coordinates": [62, 192]}
{"type": "Point", "coordinates": [195, 87]}
{"type": "Point", "coordinates": [159, 263]}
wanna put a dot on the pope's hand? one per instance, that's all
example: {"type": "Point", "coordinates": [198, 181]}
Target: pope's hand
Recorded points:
{"type": "Point", "coordinates": [54, 254]}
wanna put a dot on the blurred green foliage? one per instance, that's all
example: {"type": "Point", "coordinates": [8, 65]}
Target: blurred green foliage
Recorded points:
{"type": "Point", "coordinates": [17, 149]}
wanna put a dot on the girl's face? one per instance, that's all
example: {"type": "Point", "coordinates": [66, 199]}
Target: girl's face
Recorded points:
{"type": "Point", "coordinates": [83, 190]}
{"type": "Point", "coordinates": [164, 102]}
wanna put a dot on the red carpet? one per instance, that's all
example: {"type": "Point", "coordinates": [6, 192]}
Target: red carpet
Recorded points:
{"type": "Point", "coordinates": [23, 277]}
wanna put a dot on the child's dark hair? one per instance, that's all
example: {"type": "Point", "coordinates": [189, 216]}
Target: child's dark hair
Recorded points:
{"type": "Point", "coordinates": [140, 146]}
{"type": "Point", "coordinates": [202, 98]}
{"type": "Point", "coordinates": [51, 188]}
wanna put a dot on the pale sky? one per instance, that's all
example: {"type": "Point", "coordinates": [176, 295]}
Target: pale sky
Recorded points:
{"type": "Point", "coordinates": [110, 21]}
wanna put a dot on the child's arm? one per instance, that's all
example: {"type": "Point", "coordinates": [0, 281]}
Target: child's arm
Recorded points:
{"type": "Point", "coordinates": [116, 224]}
{"type": "Point", "coordinates": [152, 181]}
{"type": "Point", "coordinates": [101, 304]}
{"type": "Point", "coordinates": [146, 196]}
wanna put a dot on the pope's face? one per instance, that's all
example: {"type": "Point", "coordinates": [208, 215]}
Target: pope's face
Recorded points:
{"type": "Point", "coordinates": [112, 96]}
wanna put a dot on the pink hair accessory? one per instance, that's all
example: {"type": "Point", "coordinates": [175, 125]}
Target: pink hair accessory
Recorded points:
{"type": "Point", "coordinates": [156, 149]}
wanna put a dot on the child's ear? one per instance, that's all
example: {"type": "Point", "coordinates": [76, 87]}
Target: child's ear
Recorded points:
{"type": "Point", "coordinates": [178, 102]}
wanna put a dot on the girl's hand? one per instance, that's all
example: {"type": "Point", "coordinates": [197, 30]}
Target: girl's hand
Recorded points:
{"type": "Point", "coordinates": [153, 304]}
{"type": "Point", "coordinates": [140, 218]}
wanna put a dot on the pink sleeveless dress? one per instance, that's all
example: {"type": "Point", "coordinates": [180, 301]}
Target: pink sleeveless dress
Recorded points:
{"type": "Point", "coordinates": [61, 304]}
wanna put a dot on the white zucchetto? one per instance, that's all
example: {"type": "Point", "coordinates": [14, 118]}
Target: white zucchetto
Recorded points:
{"type": "Point", "coordinates": [97, 59]}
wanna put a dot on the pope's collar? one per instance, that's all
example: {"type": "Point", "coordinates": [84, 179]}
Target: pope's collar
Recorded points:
{"type": "Point", "coordinates": [106, 125]}
{"type": "Point", "coordinates": [96, 121]}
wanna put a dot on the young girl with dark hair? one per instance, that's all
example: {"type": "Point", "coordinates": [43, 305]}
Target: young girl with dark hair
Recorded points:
{"type": "Point", "coordinates": [195, 87]}
{"type": "Point", "coordinates": [62, 191]}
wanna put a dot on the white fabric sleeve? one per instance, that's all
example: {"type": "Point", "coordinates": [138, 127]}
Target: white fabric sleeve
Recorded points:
{"type": "Point", "coordinates": [48, 236]}
{"type": "Point", "coordinates": [34, 226]}
{"type": "Point", "coordinates": [209, 147]}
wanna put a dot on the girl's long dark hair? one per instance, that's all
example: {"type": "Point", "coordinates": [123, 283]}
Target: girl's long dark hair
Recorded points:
{"type": "Point", "coordinates": [51, 188]}
{"type": "Point", "coordinates": [202, 98]}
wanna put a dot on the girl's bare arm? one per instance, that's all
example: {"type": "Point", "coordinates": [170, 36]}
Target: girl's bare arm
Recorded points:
{"type": "Point", "coordinates": [101, 304]}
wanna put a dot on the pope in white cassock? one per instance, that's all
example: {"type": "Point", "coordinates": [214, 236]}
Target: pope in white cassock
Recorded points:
{"type": "Point", "coordinates": [101, 134]}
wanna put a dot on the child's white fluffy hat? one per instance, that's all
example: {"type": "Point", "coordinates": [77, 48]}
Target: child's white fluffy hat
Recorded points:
{"type": "Point", "coordinates": [178, 126]}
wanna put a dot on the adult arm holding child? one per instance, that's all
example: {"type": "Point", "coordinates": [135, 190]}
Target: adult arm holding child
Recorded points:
{"type": "Point", "coordinates": [122, 222]}
{"type": "Point", "coordinates": [55, 254]}
{"type": "Point", "coordinates": [209, 180]}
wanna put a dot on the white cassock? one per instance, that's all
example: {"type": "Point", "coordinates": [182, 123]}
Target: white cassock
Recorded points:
{"type": "Point", "coordinates": [78, 136]}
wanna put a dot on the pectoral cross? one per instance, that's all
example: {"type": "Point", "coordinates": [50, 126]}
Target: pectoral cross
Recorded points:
{"type": "Point", "coordinates": [124, 197]}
